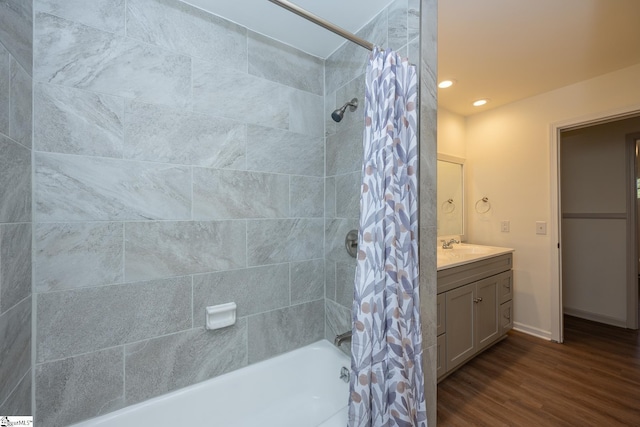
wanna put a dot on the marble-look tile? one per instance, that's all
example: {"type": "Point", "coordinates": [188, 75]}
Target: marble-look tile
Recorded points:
{"type": "Point", "coordinates": [282, 240]}
{"type": "Point", "coordinates": [72, 54]}
{"type": "Point", "coordinates": [225, 92]}
{"type": "Point", "coordinates": [77, 255]}
{"type": "Point", "coordinates": [338, 320]}
{"type": "Point", "coordinates": [227, 194]}
{"type": "Point", "coordinates": [5, 89]}
{"type": "Point", "coordinates": [413, 20]}
{"type": "Point", "coordinates": [15, 264]}
{"type": "Point", "coordinates": [16, 30]}
{"type": "Point", "coordinates": [428, 286]}
{"type": "Point", "coordinates": [428, 123]}
{"type": "Point", "coordinates": [111, 316]}
{"type": "Point", "coordinates": [280, 151]}
{"type": "Point", "coordinates": [77, 388]}
{"type": "Point", "coordinates": [161, 134]}
{"type": "Point", "coordinates": [76, 188]}
{"type": "Point", "coordinates": [429, 367]}
{"type": "Point", "coordinates": [413, 51]}
{"type": "Point", "coordinates": [19, 401]}
{"type": "Point", "coordinates": [307, 197]}
{"type": "Point", "coordinates": [106, 15]}
{"type": "Point", "coordinates": [348, 198]}
{"type": "Point", "coordinates": [254, 290]}
{"type": "Point", "coordinates": [15, 181]}
{"type": "Point", "coordinates": [182, 28]}
{"type": "Point", "coordinates": [350, 60]}
{"type": "Point", "coordinates": [397, 21]}
{"type": "Point", "coordinates": [344, 151]}
{"type": "Point", "coordinates": [293, 68]}
{"type": "Point", "coordinates": [354, 88]}
{"type": "Point", "coordinates": [345, 282]}
{"type": "Point", "coordinates": [74, 121]}
{"type": "Point", "coordinates": [307, 281]}
{"type": "Point", "coordinates": [15, 346]}
{"type": "Point", "coordinates": [330, 197]}
{"type": "Point", "coordinates": [167, 363]}
{"type": "Point", "coordinates": [330, 104]}
{"type": "Point", "coordinates": [279, 331]}
{"type": "Point", "coordinates": [305, 113]}
{"type": "Point", "coordinates": [20, 113]}
{"type": "Point", "coordinates": [164, 249]}
{"type": "Point", "coordinates": [335, 233]}
{"type": "Point", "coordinates": [330, 280]}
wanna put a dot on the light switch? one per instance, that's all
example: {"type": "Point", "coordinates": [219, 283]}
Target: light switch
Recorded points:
{"type": "Point", "coordinates": [541, 227]}
{"type": "Point", "coordinates": [505, 226]}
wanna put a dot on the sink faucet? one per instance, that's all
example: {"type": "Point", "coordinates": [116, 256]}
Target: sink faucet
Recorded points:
{"type": "Point", "coordinates": [346, 336]}
{"type": "Point", "coordinates": [449, 244]}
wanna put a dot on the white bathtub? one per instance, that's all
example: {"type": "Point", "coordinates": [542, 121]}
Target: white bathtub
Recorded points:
{"type": "Point", "coordinates": [297, 389]}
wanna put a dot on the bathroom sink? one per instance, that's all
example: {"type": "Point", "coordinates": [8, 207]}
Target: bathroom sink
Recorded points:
{"type": "Point", "coordinates": [465, 253]}
{"type": "Point", "coordinates": [465, 248]}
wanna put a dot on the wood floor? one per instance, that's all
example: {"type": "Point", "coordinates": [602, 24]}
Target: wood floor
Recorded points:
{"type": "Point", "coordinates": [593, 379]}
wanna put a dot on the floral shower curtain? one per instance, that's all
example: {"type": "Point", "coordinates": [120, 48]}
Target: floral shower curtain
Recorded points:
{"type": "Point", "coordinates": [387, 383]}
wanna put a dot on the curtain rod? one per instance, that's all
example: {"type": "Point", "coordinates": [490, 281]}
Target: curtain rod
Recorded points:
{"type": "Point", "coordinates": [323, 23]}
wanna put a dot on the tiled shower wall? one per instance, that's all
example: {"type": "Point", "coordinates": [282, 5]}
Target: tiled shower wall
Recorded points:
{"type": "Point", "coordinates": [179, 163]}
{"type": "Point", "coordinates": [16, 29]}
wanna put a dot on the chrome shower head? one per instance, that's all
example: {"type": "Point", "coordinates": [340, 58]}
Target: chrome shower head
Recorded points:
{"type": "Point", "coordinates": [338, 114]}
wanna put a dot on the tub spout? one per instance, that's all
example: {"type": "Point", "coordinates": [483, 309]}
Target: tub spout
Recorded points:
{"type": "Point", "coordinates": [346, 336]}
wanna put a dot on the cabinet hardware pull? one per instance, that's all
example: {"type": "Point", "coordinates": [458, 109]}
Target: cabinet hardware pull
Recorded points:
{"type": "Point", "coordinates": [477, 300]}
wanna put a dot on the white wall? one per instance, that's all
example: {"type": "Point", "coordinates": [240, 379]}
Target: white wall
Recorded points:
{"type": "Point", "coordinates": [508, 161]}
{"type": "Point", "coordinates": [451, 134]}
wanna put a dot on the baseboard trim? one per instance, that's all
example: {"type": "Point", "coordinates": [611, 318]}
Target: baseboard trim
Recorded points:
{"type": "Point", "coordinates": [530, 330]}
{"type": "Point", "coordinates": [600, 318]}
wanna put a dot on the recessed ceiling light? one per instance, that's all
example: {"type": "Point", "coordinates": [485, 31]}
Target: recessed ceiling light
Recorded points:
{"type": "Point", "coordinates": [480, 102]}
{"type": "Point", "coordinates": [445, 84]}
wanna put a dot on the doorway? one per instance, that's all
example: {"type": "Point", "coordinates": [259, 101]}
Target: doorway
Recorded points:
{"type": "Point", "coordinates": [597, 225]}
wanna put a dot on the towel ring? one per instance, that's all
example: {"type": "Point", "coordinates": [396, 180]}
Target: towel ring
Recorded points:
{"type": "Point", "coordinates": [448, 206]}
{"type": "Point", "coordinates": [483, 205]}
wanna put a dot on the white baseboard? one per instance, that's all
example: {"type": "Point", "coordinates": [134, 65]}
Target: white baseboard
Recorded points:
{"type": "Point", "coordinates": [600, 318]}
{"type": "Point", "coordinates": [530, 330]}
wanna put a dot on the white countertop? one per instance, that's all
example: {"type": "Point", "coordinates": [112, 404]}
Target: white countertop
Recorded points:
{"type": "Point", "coordinates": [465, 253]}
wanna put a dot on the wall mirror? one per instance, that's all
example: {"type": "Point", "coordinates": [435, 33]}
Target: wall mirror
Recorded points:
{"type": "Point", "coordinates": [451, 209]}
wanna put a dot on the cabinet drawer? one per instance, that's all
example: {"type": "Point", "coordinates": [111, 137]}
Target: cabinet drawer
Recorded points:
{"type": "Point", "coordinates": [442, 356]}
{"type": "Point", "coordinates": [441, 314]}
{"type": "Point", "coordinates": [506, 317]}
{"type": "Point", "coordinates": [505, 286]}
{"type": "Point", "coordinates": [451, 278]}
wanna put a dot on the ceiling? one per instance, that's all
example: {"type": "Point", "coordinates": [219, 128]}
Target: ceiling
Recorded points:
{"type": "Point", "coordinates": [504, 50]}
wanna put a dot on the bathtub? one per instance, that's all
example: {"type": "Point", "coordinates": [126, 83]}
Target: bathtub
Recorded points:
{"type": "Point", "coordinates": [297, 389]}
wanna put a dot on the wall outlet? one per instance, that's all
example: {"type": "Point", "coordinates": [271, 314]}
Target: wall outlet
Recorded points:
{"type": "Point", "coordinates": [505, 226]}
{"type": "Point", "coordinates": [541, 227]}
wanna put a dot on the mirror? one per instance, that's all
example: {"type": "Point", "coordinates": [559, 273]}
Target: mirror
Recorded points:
{"type": "Point", "coordinates": [450, 195]}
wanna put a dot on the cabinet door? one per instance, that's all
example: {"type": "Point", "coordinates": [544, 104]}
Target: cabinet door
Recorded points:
{"type": "Point", "coordinates": [506, 286]}
{"type": "Point", "coordinates": [442, 356]}
{"type": "Point", "coordinates": [460, 335]}
{"type": "Point", "coordinates": [487, 311]}
{"type": "Point", "coordinates": [506, 317]}
{"type": "Point", "coordinates": [441, 312]}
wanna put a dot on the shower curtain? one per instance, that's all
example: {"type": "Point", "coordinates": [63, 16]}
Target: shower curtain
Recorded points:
{"type": "Point", "coordinates": [387, 383]}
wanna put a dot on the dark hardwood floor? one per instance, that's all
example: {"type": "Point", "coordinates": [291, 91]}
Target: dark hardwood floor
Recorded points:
{"type": "Point", "coordinates": [593, 379]}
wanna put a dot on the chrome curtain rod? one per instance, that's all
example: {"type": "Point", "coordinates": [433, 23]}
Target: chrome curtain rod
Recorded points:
{"type": "Point", "coordinates": [323, 23]}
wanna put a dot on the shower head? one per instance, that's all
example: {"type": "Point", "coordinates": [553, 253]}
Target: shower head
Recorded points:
{"type": "Point", "coordinates": [338, 114]}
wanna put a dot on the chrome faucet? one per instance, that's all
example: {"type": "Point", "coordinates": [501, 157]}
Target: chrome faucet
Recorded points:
{"type": "Point", "coordinates": [449, 244]}
{"type": "Point", "coordinates": [346, 336]}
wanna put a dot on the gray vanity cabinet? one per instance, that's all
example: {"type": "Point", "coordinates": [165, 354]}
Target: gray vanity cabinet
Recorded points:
{"type": "Point", "coordinates": [475, 301]}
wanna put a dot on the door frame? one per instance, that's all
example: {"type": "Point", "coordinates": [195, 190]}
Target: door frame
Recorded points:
{"type": "Point", "coordinates": [632, 225]}
{"type": "Point", "coordinates": [555, 241]}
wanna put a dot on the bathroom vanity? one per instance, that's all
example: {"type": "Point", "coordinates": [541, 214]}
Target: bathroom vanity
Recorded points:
{"type": "Point", "coordinates": [475, 310]}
